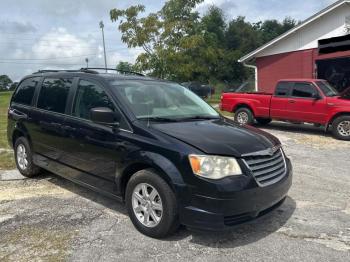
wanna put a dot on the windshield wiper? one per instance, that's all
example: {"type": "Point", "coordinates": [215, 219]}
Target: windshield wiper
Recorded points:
{"type": "Point", "coordinates": [199, 118]}
{"type": "Point", "coordinates": [158, 119]}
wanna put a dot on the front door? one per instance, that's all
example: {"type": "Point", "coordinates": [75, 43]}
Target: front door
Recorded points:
{"type": "Point", "coordinates": [304, 107]}
{"type": "Point", "coordinates": [92, 148]}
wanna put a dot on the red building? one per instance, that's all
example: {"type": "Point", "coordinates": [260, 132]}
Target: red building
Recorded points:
{"type": "Point", "coordinates": [317, 48]}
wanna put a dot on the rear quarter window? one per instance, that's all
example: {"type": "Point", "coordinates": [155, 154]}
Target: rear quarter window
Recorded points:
{"type": "Point", "coordinates": [25, 91]}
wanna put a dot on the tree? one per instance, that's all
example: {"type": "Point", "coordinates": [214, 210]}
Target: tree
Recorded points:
{"type": "Point", "coordinates": [124, 66]}
{"type": "Point", "coordinates": [13, 86]}
{"type": "Point", "coordinates": [181, 45]}
{"type": "Point", "coordinates": [161, 35]}
{"type": "Point", "coordinates": [5, 82]}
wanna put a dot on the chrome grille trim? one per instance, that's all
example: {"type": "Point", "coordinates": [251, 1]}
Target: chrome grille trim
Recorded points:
{"type": "Point", "coordinates": [267, 169]}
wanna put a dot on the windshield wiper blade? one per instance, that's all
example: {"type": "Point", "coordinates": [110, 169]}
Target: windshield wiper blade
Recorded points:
{"type": "Point", "coordinates": [200, 118]}
{"type": "Point", "coordinates": [158, 119]}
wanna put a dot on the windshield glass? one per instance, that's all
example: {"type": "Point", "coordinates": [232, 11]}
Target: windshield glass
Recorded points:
{"type": "Point", "coordinates": [327, 89]}
{"type": "Point", "coordinates": [162, 100]}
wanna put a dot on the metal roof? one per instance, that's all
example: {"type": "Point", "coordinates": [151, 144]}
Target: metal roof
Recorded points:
{"type": "Point", "coordinates": [293, 30]}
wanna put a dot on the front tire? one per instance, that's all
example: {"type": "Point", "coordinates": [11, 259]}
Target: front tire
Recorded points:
{"type": "Point", "coordinates": [151, 204]}
{"type": "Point", "coordinates": [341, 128]}
{"type": "Point", "coordinates": [244, 116]}
{"type": "Point", "coordinates": [24, 158]}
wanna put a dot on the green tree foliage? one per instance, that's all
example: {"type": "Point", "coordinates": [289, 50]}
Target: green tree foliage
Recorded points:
{"type": "Point", "coordinates": [5, 82]}
{"type": "Point", "coordinates": [181, 45]}
{"type": "Point", "coordinates": [124, 66]}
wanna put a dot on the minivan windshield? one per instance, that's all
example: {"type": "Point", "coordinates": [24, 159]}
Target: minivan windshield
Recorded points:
{"type": "Point", "coordinates": [327, 89]}
{"type": "Point", "coordinates": [162, 101]}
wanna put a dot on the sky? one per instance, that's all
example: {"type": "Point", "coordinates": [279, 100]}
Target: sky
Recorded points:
{"type": "Point", "coordinates": [61, 34]}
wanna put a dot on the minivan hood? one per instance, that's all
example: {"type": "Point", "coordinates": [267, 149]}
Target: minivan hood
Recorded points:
{"type": "Point", "coordinates": [219, 136]}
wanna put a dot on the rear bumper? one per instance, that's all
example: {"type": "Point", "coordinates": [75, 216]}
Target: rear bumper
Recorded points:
{"type": "Point", "coordinates": [246, 205]}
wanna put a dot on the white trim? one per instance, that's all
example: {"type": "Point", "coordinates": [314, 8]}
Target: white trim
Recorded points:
{"type": "Point", "coordinates": [293, 30]}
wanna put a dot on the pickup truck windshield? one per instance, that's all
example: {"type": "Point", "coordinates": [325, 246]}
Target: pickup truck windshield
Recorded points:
{"type": "Point", "coordinates": [327, 89]}
{"type": "Point", "coordinates": [161, 101]}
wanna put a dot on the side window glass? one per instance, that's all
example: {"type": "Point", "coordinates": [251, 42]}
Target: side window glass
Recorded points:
{"type": "Point", "coordinates": [25, 92]}
{"type": "Point", "coordinates": [53, 94]}
{"type": "Point", "coordinates": [282, 89]}
{"type": "Point", "coordinates": [90, 95]}
{"type": "Point", "coordinates": [303, 90]}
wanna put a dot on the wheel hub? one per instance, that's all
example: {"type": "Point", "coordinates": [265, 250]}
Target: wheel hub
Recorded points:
{"type": "Point", "coordinates": [344, 128]}
{"type": "Point", "coordinates": [242, 118]}
{"type": "Point", "coordinates": [147, 205]}
{"type": "Point", "coordinates": [22, 159]}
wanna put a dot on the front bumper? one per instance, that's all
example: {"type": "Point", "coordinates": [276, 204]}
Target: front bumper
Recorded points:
{"type": "Point", "coordinates": [219, 214]}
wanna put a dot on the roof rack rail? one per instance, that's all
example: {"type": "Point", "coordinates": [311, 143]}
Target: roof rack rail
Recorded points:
{"type": "Point", "coordinates": [110, 69]}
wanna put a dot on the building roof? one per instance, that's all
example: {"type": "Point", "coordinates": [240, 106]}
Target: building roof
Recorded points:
{"type": "Point", "coordinates": [293, 30]}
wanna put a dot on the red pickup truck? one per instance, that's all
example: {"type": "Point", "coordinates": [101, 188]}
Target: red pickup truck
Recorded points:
{"type": "Point", "coordinates": [295, 100]}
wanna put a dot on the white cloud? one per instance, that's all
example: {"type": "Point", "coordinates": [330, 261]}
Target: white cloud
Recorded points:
{"type": "Point", "coordinates": [65, 47]}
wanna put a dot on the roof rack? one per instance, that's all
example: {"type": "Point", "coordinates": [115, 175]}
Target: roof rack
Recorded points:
{"type": "Point", "coordinates": [90, 70]}
{"type": "Point", "coordinates": [111, 69]}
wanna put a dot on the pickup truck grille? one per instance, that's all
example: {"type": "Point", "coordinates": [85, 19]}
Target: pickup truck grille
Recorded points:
{"type": "Point", "coordinates": [267, 169]}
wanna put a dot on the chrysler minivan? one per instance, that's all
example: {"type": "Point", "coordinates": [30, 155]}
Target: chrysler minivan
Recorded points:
{"type": "Point", "coordinates": [152, 144]}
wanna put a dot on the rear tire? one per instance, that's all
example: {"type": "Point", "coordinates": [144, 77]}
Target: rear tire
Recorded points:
{"type": "Point", "coordinates": [151, 204]}
{"type": "Point", "coordinates": [24, 158]}
{"type": "Point", "coordinates": [244, 116]}
{"type": "Point", "coordinates": [263, 121]}
{"type": "Point", "coordinates": [341, 128]}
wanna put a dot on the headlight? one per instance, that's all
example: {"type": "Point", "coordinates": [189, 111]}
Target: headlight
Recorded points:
{"type": "Point", "coordinates": [214, 167]}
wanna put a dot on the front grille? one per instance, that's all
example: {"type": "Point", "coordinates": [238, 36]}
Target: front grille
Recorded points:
{"type": "Point", "coordinates": [267, 169]}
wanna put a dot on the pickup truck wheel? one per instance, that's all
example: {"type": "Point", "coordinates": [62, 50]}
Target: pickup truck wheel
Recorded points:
{"type": "Point", "coordinates": [244, 116]}
{"type": "Point", "coordinates": [341, 128]}
{"type": "Point", "coordinates": [263, 121]}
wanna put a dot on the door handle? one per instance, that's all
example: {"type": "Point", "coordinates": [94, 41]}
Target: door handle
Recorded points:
{"type": "Point", "coordinates": [69, 128]}
{"type": "Point", "coordinates": [17, 115]}
{"type": "Point", "coordinates": [291, 101]}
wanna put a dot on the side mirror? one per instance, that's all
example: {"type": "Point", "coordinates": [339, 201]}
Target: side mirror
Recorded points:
{"type": "Point", "coordinates": [104, 115]}
{"type": "Point", "coordinates": [316, 96]}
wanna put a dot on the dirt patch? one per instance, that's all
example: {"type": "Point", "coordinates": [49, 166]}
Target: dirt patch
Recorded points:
{"type": "Point", "coordinates": [35, 243]}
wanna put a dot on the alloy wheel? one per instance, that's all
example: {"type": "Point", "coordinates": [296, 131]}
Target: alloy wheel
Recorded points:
{"type": "Point", "coordinates": [147, 205]}
{"type": "Point", "coordinates": [344, 128]}
{"type": "Point", "coordinates": [242, 118]}
{"type": "Point", "coordinates": [22, 158]}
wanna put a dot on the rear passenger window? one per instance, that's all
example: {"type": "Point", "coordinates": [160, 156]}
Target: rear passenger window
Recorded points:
{"type": "Point", "coordinates": [303, 90]}
{"type": "Point", "coordinates": [54, 93]}
{"type": "Point", "coordinates": [25, 92]}
{"type": "Point", "coordinates": [282, 89]}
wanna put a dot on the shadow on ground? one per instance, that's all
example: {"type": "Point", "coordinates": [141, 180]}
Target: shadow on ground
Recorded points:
{"type": "Point", "coordinates": [238, 236]}
{"type": "Point", "coordinates": [305, 129]}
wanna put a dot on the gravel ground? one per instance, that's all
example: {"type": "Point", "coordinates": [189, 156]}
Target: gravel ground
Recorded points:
{"type": "Point", "coordinates": [51, 219]}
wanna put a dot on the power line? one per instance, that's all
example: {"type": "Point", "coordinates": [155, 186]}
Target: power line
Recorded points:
{"type": "Point", "coordinates": [57, 58]}
{"type": "Point", "coordinates": [51, 64]}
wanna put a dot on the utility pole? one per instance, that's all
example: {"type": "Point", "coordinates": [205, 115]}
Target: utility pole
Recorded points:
{"type": "Point", "coordinates": [104, 46]}
{"type": "Point", "coordinates": [87, 62]}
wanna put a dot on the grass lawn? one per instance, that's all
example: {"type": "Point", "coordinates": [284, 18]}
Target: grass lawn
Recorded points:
{"type": "Point", "coordinates": [6, 156]}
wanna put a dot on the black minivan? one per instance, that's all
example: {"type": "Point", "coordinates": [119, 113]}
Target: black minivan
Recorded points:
{"type": "Point", "coordinates": [152, 144]}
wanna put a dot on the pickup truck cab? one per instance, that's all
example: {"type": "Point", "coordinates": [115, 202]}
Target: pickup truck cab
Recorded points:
{"type": "Point", "coordinates": [294, 100]}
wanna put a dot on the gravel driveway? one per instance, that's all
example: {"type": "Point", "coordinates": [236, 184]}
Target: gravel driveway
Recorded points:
{"type": "Point", "coordinates": [51, 219]}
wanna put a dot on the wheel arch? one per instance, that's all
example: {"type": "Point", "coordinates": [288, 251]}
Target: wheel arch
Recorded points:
{"type": "Point", "coordinates": [243, 105]}
{"type": "Point", "coordinates": [335, 116]}
{"type": "Point", "coordinates": [148, 160]}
